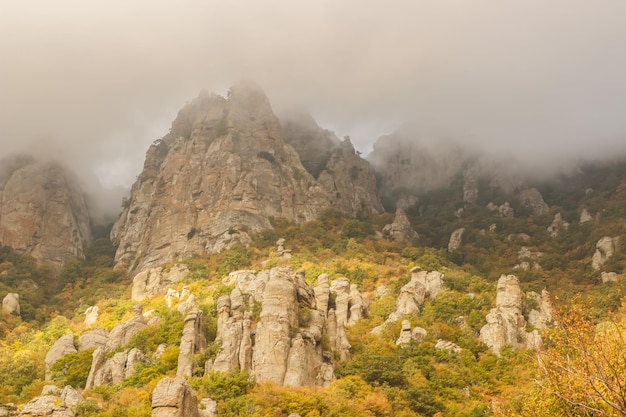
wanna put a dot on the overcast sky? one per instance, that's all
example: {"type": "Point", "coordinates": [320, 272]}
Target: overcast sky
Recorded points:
{"type": "Point", "coordinates": [97, 81]}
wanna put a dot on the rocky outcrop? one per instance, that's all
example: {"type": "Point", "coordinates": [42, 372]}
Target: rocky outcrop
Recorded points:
{"type": "Point", "coordinates": [115, 369]}
{"type": "Point", "coordinates": [608, 277]}
{"type": "Point", "coordinates": [53, 402]}
{"type": "Point", "coordinates": [405, 334]}
{"type": "Point", "coordinates": [91, 316]}
{"type": "Point", "coordinates": [63, 346]}
{"type": "Point", "coordinates": [605, 248]}
{"type": "Point", "coordinates": [447, 345]}
{"type": "Point", "coordinates": [557, 226]}
{"type": "Point", "coordinates": [222, 171]}
{"type": "Point", "coordinates": [585, 216]}
{"type": "Point", "coordinates": [11, 303]}
{"type": "Point", "coordinates": [192, 342]}
{"type": "Point", "coordinates": [284, 343]}
{"type": "Point", "coordinates": [93, 339]}
{"type": "Point", "coordinates": [541, 315]}
{"type": "Point", "coordinates": [122, 333]}
{"type": "Point", "coordinates": [173, 397]}
{"type": "Point", "coordinates": [506, 325]}
{"type": "Point", "coordinates": [154, 281]}
{"type": "Point", "coordinates": [42, 212]}
{"type": "Point", "coordinates": [423, 284]}
{"type": "Point", "coordinates": [505, 209]}
{"type": "Point", "coordinates": [400, 230]}
{"type": "Point", "coordinates": [532, 199]}
{"type": "Point", "coordinates": [456, 238]}
{"type": "Point", "coordinates": [470, 185]}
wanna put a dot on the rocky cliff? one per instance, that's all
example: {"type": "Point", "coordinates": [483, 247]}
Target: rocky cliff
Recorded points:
{"type": "Point", "coordinates": [42, 211]}
{"type": "Point", "coordinates": [222, 171]}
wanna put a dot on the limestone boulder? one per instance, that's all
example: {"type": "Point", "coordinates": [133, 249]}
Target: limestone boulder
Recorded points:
{"type": "Point", "coordinates": [63, 346]}
{"type": "Point", "coordinates": [532, 199]}
{"type": "Point", "coordinates": [11, 303]}
{"type": "Point", "coordinates": [93, 339]}
{"type": "Point", "coordinates": [122, 333]}
{"type": "Point", "coordinates": [456, 238]}
{"type": "Point", "coordinates": [154, 281]}
{"type": "Point", "coordinates": [91, 316]}
{"type": "Point", "coordinates": [557, 226]}
{"type": "Point", "coordinates": [585, 216]}
{"type": "Point", "coordinates": [193, 341]}
{"type": "Point", "coordinates": [173, 397]}
{"type": "Point", "coordinates": [400, 230]}
{"type": "Point", "coordinates": [605, 248]}
{"type": "Point", "coordinates": [405, 334]}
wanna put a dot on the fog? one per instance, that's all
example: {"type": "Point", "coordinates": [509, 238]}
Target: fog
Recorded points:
{"type": "Point", "coordinates": [94, 83]}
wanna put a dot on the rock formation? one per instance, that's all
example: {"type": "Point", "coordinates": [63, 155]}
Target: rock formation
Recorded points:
{"type": "Point", "coordinates": [63, 346]}
{"type": "Point", "coordinates": [42, 212]}
{"type": "Point", "coordinates": [541, 316]}
{"type": "Point", "coordinates": [585, 216]}
{"type": "Point", "coordinates": [154, 281]}
{"type": "Point", "coordinates": [53, 402]}
{"type": "Point", "coordinates": [605, 248]}
{"type": "Point", "coordinates": [423, 284]}
{"type": "Point", "coordinates": [223, 170]}
{"type": "Point", "coordinates": [400, 230]}
{"type": "Point", "coordinates": [447, 345]}
{"type": "Point", "coordinates": [284, 343]}
{"type": "Point", "coordinates": [173, 397]}
{"type": "Point", "coordinates": [115, 369]}
{"type": "Point", "coordinates": [93, 339]}
{"type": "Point", "coordinates": [608, 277]}
{"type": "Point", "coordinates": [11, 303]}
{"type": "Point", "coordinates": [506, 325]}
{"type": "Point", "coordinates": [405, 334]}
{"type": "Point", "coordinates": [121, 334]}
{"type": "Point", "coordinates": [557, 226]}
{"type": "Point", "coordinates": [192, 342]}
{"type": "Point", "coordinates": [470, 185]}
{"type": "Point", "coordinates": [91, 316]}
{"type": "Point", "coordinates": [456, 238]}
{"type": "Point", "coordinates": [532, 199]}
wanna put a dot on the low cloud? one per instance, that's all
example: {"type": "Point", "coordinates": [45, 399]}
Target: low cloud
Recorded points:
{"type": "Point", "coordinates": [96, 82]}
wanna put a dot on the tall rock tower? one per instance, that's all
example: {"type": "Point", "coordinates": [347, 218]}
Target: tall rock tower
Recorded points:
{"type": "Point", "coordinates": [220, 173]}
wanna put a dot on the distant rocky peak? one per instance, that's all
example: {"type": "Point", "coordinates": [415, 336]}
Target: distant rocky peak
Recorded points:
{"type": "Point", "coordinates": [42, 211]}
{"type": "Point", "coordinates": [223, 170]}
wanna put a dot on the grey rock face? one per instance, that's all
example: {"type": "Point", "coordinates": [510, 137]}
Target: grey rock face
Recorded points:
{"type": "Point", "coordinates": [93, 339]}
{"type": "Point", "coordinates": [153, 281]}
{"type": "Point", "coordinates": [53, 403]}
{"type": "Point", "coordinates": [532, 198]}
{"type": "Point", "coordinates": [222, 171]}
{"type": "Point", "coordinates": [63, 346]}
{"type": "Point", "coordinates": [505, 323]}
{"type": "Point", "coordinates": [173, 397]}
{"type": "Point", "coordinates": [400, 230]}
{"type": "Point", "coordinates": [405, 334]}
{"type": "Point", "coordinates": [285, 347]}
{"type": "Point", "coordinates": [541, 316]}
{"type": "Point", "coordinates": [470, 185]}
{"type": "Point", "coordinates": [456, 238]}
{"type": "Point", "coordinates": [11, 303]}
{"type": "Point", "coordinates": [122, 333]}
{"type": "Point", "coordinates": [115, 369]}
{"type": "Point", "coordinates": [585, 216]}
{"type": "Point", "coordinates": [608, 277]}
{"type": "Point", "coordinates": [91, 316]}
{"type": "Point", "coordinates": [605, 248]}
{"type": "Point", "coordinates": [192, 342]}
{"type": "Point", "coordinates": [557, 226]}
{"type": "Point", "coordinates": [43, 212]}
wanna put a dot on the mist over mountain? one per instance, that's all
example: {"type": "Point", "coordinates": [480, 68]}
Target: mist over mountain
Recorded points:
{"type": "Point", "coordinates": [96, 85]}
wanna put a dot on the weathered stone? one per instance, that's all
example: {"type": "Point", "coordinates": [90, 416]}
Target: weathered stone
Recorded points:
{"type": "Point", "coordinates": [186, 305]}
{"type": "Point", "coordinates": [470, 185]}
{"type": "Point", "coordinates": [208, 408]}
{"type": "Point", "coordinates": [445, 345]}
{"type": "Point", "coordinates": [608, 277]}
{"type": "Point", "coordinates": [93, 339]}
{"type": "Point", "coordinates": [322, 292]}
{"type": "Point", "coordinates": [557, 226]}
{"type": "Point", "coordinates": [113, 370]}
{"type": "Point", "coordinates": [585, 216]}
{"type": "Point", "coordinates": [400, 230]}
{"type": "Point", "coordinates": [418, 334]}
{"type": "Point", "coordinates": [541, 316]}
{"type": "Point", "coordinates": [605, 248]}
{"type": "Point", "coordinates": [506, 210]}
{"type": "Point", "coordinates": [456, 239]}
{"type": "Point", "coordinates": [221, 172]}
{"type": "Point", "coordinates": [173, 397]}
{"type": "Point", "coordinates": [505, 323]}
{"type": "Point", "coordinates": [63, 346]}
{"type": "Point", "coordinates": [43, 212]}
{"type": "Point", "coordinates": [91, 316]}
{"type": "Point", "coordinates": [532, 199]}
{"type": "Point", "coordinates": [405, 334]}
{"type": "Point", "coordinates": [122, 333]}
{"type": "Point", "coordinates": [193, 341]}
{"type": "Point", "coordinates": [11, 303]}
{"type": "Point", "coordinates": [154, 281]}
